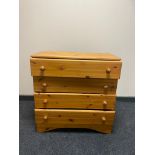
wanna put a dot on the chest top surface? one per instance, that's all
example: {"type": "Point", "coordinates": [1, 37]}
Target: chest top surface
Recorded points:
{"type": "Point", "coordinates": [76, 56]}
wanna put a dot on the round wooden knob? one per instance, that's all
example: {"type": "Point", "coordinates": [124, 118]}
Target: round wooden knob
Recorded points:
{"type": "Point", "coordinates": [104, 103]}
{"type": "Point", "coordinates": [105, 86]}
{"type": "Point", "coordinates": [44, 84]}
{"type": "Point", "coordinates": [103, 119]}
{"type": "Point", "coordinates": [45, 101]}
{"type": "Point", "coordinates": [42, 68]}
{"type": "Point", "coordinates": [108, 70]}
{"type": "Point", "coordinates": [45, 117]}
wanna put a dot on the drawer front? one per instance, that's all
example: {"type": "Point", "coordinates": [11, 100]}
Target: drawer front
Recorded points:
{"type": "Point", "coordinates": [49, 119]}
{"type": "Point", "coordinates": [75, 68]}
{"type": "Point", "coordinates": [74, 85]}
{"type": "Point", "coordinates": [73, 100]}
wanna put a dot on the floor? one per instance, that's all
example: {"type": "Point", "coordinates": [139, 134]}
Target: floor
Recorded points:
{"type": "Point", "coordinates": [78, 141]}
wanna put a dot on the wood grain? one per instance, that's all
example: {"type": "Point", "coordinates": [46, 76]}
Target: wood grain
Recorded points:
{"type": "Point", "coordinates": [74, 85]}
{"type": "Point", "coordinates": [75, 68]}
{"type": "Point", "coordinates": [76, 55]}
{"type": "Point", "coordinates": [74, 100]}
{"type": "Point", "coordinates": [75, 90]}
{"type": "Point", "coordinates": [92, 119]}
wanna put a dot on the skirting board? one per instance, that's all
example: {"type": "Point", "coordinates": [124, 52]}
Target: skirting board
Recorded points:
{"type": "Point", "coordinates": [119, 98]}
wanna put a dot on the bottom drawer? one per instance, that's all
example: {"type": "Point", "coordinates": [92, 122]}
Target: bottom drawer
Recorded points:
{"type": "Point", "coordinates": [49, 119]}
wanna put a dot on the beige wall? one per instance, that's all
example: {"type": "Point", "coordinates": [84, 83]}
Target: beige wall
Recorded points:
{"type": "Point", "coordinates": [78, 25]}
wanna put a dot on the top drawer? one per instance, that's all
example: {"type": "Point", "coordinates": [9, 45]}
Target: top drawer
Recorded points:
{"type": "Point", "coordinates": [75, 68]}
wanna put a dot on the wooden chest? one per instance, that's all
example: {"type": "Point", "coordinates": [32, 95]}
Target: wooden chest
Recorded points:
{"type": "Point", "coordinates": [75, 90]}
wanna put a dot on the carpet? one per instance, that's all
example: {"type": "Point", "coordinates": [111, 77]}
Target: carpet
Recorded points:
{"type": "Point", "coordinates": [78, 141]}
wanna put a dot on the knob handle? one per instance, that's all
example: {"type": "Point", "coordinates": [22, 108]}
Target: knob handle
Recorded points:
{"type": "Point", "coordinates": [103, 119]}
{"type": "Point", "coordinates": [45, 101]}
{"type": "Point", "coordinates": [108, 70]}
{"type": "Point", "coordinates": [45, 117]}
{"type": "Point", "coordinates": [42, 68]}
{"type": "Point", "coordinates": [44, 84]}
{"type": "Point", "coordinates": [105, 86]}
{"type": "Point", "coordinates": [104, 103]}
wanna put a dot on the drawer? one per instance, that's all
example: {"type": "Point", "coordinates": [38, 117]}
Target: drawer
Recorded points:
{"type": "Point", "coordinates": [48, 119]}
{"type": "Point", "coordinates": [75, 68]}
{"type": "Point", "coordinates": [74, 100]}
{"type": "Point", "coordinates": [75, 85]}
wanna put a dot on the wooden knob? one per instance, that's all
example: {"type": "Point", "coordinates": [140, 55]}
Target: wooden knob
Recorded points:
{"type": "Point", "coordinates": [45, 117]}
{"type": "Point", "coordinates": [44, 84]}
{"type": "Point", "coordinates": [42, 68]}
{"type": "Point", "coordinates": [103, 119]}
{"type": "Point", "coordinates": [45, 101]}
{"type": "Point", "coordinates": [104, 103]}
{"type": "Point", "coordinates": [105, 86]}
{"type": "Point", "coordinates": [108, 70]}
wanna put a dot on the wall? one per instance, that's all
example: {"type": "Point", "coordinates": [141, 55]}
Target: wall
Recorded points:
{"type": "Point", "coordinates": [78, 25]}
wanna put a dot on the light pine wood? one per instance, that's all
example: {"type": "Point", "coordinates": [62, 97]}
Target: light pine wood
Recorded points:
{"type": "Point", "coordinates": [100, 128]}
{"type": "Point", "coordinates": [49, 119]}
{"type": "Point", "coordinates": [74, 85]}
{"type": "Point", "coordinates": [76, 55]}
{"type": "Point", "coordinates": [75, 90]}
{"type": "Point", "coordinates": [75, 68]}
{"type": "Point", "coordinates": [74, 100]}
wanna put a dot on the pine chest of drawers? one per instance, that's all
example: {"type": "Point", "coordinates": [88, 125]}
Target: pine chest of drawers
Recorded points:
{"type": "Point", "coordinates": [75, 90]}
